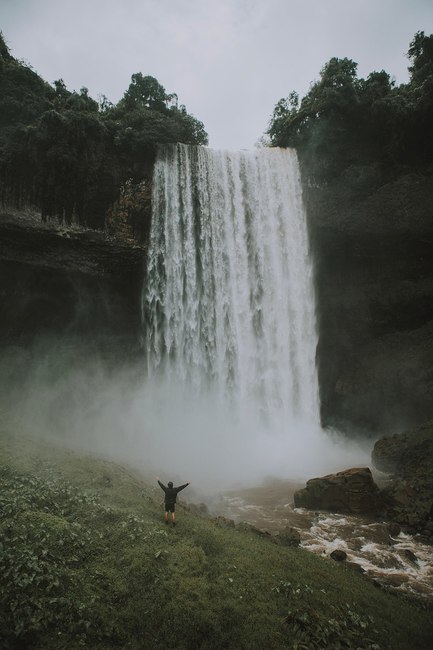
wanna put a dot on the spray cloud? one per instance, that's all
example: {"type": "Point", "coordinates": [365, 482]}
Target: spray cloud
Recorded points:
{"type": "Point", "coordinates": [229, 393]}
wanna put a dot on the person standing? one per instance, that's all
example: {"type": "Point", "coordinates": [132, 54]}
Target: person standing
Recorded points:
{"type": "Point", "coordinates": [171, 493]}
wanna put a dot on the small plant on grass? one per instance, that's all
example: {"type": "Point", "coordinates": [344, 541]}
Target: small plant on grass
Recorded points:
{"type": "Point", "coordinates": [313, 630]}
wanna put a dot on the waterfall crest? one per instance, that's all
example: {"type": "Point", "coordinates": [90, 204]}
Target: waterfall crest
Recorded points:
{"type": "Point", "coordinates": [228, 300]}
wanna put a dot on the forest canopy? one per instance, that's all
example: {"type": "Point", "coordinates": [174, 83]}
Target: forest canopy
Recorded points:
{"type": "Point", "coordinates": [67, 154]}
{"type": "Point", "coordinates": [344, 120]}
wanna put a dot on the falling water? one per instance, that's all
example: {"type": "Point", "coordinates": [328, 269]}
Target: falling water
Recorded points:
{"type": "Point", "coordinates": [229, 299]}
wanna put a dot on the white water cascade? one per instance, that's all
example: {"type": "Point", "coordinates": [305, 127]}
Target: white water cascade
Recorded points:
{"type": "Point", "coordinates": [230, 313]}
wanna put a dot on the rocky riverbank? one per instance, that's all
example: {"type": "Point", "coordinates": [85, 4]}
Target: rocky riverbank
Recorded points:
{"type": "Point", "coordinates": [404, 495]}
{"type": "Point", "coordinates": [388, 556]}
{"type": "Point", "coordinates": [378, 522]}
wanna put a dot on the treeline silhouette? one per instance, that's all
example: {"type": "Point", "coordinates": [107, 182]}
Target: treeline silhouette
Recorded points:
{"type": "Point", "coordinates": [70, 157]}
{"type": "Point", "coordinates": [345, 121]}
{"type": "Point", "coordinates": [67, 155]}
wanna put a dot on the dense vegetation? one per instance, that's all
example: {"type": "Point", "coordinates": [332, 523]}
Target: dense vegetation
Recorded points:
{"type": "Point", "coordinates": [71, 156]}
{"type": "Point", "coordinates": [86, 561]}
{"type": "Point", "coordinates": [344, 121]}
{"type": "Point", "coordinates": [67, 154]}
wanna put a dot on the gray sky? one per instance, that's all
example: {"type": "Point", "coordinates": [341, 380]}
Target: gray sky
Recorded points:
{"type": "Point", "coordinates": [229, 61]}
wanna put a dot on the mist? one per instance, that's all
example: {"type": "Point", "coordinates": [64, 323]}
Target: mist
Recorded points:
{"type": "Point", "coordinates": [225, 391]}
{"type": "Point", "coordinates": [73, 399]}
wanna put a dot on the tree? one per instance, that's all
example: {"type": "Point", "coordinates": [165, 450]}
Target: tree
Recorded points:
{"type": "Point", "coordinates": [5, 54]}
{"type": "Point", "coordinates": [189, 129]}
{"type": "Point", "coordinates": [324, 120]}
{"type": "Point", "coordinates": [420, 54]}
{"type": "Point", "coordinates": [146, 92]}
{"type": "Point", "coordinates": [68, 155]}
{"type": "Point", "coordinates": [344, 121]}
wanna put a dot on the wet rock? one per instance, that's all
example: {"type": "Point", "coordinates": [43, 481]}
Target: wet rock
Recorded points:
{"type": "Point", "coordinates": [407, 454]}
{"type": "Point", "coordinates": [357, 568]}
{"type": "Point", "coordinates": [199, 509]}
{"type": "Point", "coordinates": [288, 537]}
{"type": "Point", "coordinates": [393, 580]}
{"type": "Point", "coordinates": [224, 522]}
{"type": "Point", "coordinates": [410, 555]}
{"type": "Point", "coordinates": [394, 529]}
{"type": "Point", "coordinates": [338, 555]}
{"type": "Point", "coordinates": [429, 527]}
{"type": "Point", "coordinates": [351, 491]}
{"type": "Point", "coordinates": [249, 528]}
{"type": "Point", "coordinates": [408, 457]}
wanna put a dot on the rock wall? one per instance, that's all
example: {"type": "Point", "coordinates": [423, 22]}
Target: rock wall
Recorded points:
{"type": "Point", "coordinates": [65, 287]}
{"type": "Point", "coordinates": [408, 459]}
{"type": "Point", "coordinates": [372, 241]}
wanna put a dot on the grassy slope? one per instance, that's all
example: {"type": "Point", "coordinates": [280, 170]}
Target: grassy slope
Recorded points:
{"type": "Point", "coordinates": [86, 560]}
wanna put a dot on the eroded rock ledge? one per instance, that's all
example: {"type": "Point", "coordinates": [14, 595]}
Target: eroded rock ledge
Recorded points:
{"type": "Point", "coordinates": [372, 240]}
{"type": "Point", "coordinates": [57, 281]}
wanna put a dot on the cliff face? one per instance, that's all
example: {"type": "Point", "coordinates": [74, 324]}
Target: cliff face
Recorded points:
{"type": "Point", "coordinates": [373, 248]}
{"type": "Point", "coordinates": [60, 285]}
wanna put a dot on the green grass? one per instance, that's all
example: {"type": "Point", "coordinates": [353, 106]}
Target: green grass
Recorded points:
{"type": "Point", "coordinates": [86, 561]}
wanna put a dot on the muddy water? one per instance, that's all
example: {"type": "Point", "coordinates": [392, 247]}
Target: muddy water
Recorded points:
{"type": "Point", "coordinates": [403, 563]}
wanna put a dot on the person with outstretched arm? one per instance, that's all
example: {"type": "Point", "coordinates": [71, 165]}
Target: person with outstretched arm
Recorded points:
{"type": "Point", "coordinates": [170, 498]}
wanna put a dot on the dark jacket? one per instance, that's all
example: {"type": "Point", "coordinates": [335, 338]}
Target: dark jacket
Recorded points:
{"type": "Point", "coordinates": [171, 493]}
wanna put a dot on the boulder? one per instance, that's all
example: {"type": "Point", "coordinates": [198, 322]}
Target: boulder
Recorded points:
{"type": "Point", "coordinates": [408, 458]}
{"type": "Point", "coordinates": [394, 529]}
{"type": "Point", "coordinates": [246, 527]}
{"type": "Point", "coordinates": [199, 509]}
{"type": "Point", "coordinates": [407, 454]}
{"type": "Point", "coordinates": [288, 537]}
{"type": "Point", "coordinates": [338, 555]}
{"type": "Point", "coordinates": [410, 555]}
{"type": "Point", "coordinates": [352, 491]}
{"type": "Point", "coordinates": [224, 522]}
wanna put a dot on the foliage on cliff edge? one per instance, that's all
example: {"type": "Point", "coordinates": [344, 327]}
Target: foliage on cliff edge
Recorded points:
{"type": "Point", "coordinates": [345, 121]}
{"type": "Point", "coordinates": [67, 154]}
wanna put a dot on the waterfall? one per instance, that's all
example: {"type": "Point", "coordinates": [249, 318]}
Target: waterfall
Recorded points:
{"type": "Point", "coordinates": [228, 300]}
{"type": "Point", "coordinates": [230, 395]}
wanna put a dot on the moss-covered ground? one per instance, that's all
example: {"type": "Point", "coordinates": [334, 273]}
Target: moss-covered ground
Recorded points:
{"type": "Point", "coordinates": [86, 561]}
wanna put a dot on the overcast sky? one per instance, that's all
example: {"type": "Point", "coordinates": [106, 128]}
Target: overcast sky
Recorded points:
{"type": "Point", "coordinates": [229, 61]}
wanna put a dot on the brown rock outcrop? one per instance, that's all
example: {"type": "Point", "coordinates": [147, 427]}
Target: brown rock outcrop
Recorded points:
{"type": "Point", "coordinates": [351, 491]}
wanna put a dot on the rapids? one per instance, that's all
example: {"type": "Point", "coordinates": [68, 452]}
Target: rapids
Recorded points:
{"type": "Point", "coordinates": [402, 563]}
